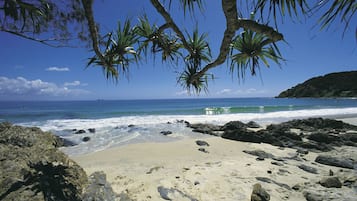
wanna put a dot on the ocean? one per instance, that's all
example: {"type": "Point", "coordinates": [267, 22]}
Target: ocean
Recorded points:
{"type": "Point", "coordinates": [120, 122]}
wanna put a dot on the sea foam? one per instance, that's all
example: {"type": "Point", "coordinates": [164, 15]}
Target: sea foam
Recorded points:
{"type": "Point", "coordinates": [117, 131]}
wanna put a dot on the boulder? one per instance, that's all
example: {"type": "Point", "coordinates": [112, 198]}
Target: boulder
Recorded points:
{"type": "Point", "coordinates": [205, 128]}
{"type": "Point", "coordinates": [331, 182]}
{"type": "Point", "coordinates": [308, 169]}
{"type": "Point", "coordinates": [253, 124]}
{"type": "Point", "coordinates": [166, 132]}
{"type": "Point", "coordinates": [80, 131]}
{"type": "Point", "coordinates": [91, 130]}
{"type": "Point", "coordinates": [334, 161]}
{"type": "Point", "coordinates": [259, 193]}
{"type": "Point", "coordinates": [202, 143]}
{"type": "Point", "coordinates": [32, 168]}
{"type": "Point", "coordinates": [99, 189]}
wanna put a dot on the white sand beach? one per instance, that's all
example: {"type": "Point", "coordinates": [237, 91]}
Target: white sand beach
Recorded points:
{"type": "Point", "coordinates": [224, 172]}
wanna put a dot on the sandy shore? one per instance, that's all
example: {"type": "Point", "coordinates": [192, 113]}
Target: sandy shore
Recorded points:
{"type": "Point", "coordinates": [224, 172]}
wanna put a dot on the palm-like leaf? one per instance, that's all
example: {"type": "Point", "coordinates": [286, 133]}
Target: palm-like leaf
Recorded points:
{"type": "Point", "coordinates": [119, 52]}
{"type": "Point", "coordinates": [189, 5]}
{"type": "Point", "coordinates": [343, 8]}
{"type": "Point", "coordinates": [252, 50]}
{"type": "Point", "coordinates": [189, 80]}
{"type": "Point", "coordinates": [200, 50]}
{"type": "Point", "coordinates": [274, 7]}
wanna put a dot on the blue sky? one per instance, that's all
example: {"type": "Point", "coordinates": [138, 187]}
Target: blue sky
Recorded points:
{"type": "Point", "coordinates": [33, 71]}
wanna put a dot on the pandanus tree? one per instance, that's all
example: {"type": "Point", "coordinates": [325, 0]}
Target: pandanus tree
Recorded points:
{"type": "Point", "coordinates": [246, 43]}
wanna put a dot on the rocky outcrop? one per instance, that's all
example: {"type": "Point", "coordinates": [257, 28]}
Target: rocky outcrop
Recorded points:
{"type": "Point", "coordinates": [316, 134]}
{"type": "Point", "coordinates": [32, 168]}
{"type": "Point", "coordinates": [342, 84]}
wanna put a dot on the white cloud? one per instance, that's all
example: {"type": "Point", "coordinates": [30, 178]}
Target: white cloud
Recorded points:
{"type": "Point", "coordinates": [74, 83]}
{"type": "Point", "coordinates": [58, 69]}
{"type": "Point", "coordinates": [181, 93]}
{"type": "Point", "coordinates": [22, 87]}
{"type": "Point", "coordinates": [224, 91]}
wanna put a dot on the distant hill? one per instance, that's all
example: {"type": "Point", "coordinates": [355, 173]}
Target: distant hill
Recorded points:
{"type": "Point", "coordinates": [342, 84]}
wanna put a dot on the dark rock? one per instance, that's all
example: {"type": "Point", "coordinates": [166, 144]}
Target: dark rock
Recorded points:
{"type": "Point", "coordinates": [173, 194]}
{"type": "Point", "coordinates": [324, 138]}
{"type": "Point", "coordinates": [80, 131]}
{"type": "Point", "coordinates": [302, 151]}
{"type": "Point", "coordinates": [308, 169]}
{"type": "Point", "coordinates": [205, 128]}
{"type": "Point", "coordinates": [296, 187]}
{"type": "Point", "coordinates": [234, 125]}
{"type": "Point", "coordinates": [85, 139]}
{"type": "Point", "coordinates": [131, 125]}
{"type": "Point", "coordinates": [309, 196]}
{"type": "Point", "coordinates": [259, 193]}
{"type": "Point", "coordinates": [331, 182]}
{"type": "Point", "coordinates": [63, 142]}
{"type": "Point", "coordinates": [166, 132]}
{"type": "Point", "coordinates": [202, 143]}
{"type": "Point", "coordinates": [267, 180]}
{"type": "Point", "coordinates": [91, 130]}
{"type": "Point", "coordinates": [32, 168]}
{"type": "Point", "coordinates": [99, 189]}
{"type": "Point", "coordinates": [277, 163]}
{"type": "Point", "coordinates": [259, 153]}
{"type": "Point", "coordinates": [253, 124]}
{"type": "Point", "coordinates": [337, 162]}
{"type": "Point", "coordinates": [203, 150]}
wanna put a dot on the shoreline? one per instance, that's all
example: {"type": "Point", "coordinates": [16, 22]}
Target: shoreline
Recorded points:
{"type": "Point", "coordinates": [222, 172]}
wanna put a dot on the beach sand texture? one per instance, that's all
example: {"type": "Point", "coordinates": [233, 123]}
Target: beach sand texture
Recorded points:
{"type": "Point", "coordinates": [222, 171]}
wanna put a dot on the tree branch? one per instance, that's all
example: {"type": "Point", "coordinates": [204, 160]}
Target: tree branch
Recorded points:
{"type": "Point", "coordinates": [230, 11]}
{"type": "Point", "coordinates": [260, 28]}
{"type": "Point", "coordinates": [43, 41]}
{"type": "Point", "coordinates": [87, 5]}
{"type": "Point", "coordinates": [170, 22]}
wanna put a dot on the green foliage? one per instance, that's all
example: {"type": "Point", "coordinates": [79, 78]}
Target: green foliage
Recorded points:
{"type": "Point", "coordinates": [346, 9]}
{"type": "Point", "coordinates": [119, 51]}
{"type": "Point", "coordinates": [29, 19]}
{"type": "Point", "coordinates": [342, 84]}
{"type": "Point", "coordinates": [189, 80]}
{"type": "Point", "coordinates": [249, 49]}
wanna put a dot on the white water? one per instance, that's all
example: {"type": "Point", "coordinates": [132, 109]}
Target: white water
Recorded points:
{"type": "Point", "coordinates": [112, 132]}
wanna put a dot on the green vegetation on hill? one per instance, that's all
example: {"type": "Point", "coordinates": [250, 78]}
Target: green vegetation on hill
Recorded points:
{"type": "Point", "coordinates": [342, 84]}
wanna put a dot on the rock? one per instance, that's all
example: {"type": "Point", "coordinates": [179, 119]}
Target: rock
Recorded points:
{"type": "Point", "coordinates": [324, 138]}
{"type": "Point", "coordinates": [331, 182]}
{"type": "Point", "coordinates": [32, 168]}
{"type": "Point", "coordinates": [205, 128]}
{"type": "Point", "coordinates": [308, 169]}
{"type": "Point", "coordinates": [267, 180]}
{"type": "Point", "coordinates": [234, 125]}
{"type": "Point", "coordinates": [99, 189]}
{"type": "Point", "coordinates": [91, 130]}
{"type": "Point", "coordinates": [261, 154]}
{"type": "Point", "coordinates": [203, 150]}
{"type": "Point", "coordinates": [309, 196]}
{"type": "Point", "coordinates": [80, 131]}
{"type": "Point", "coordinates": [337, 162]}
{"type": "Point", "coordinates": [85, 139]}
{"type": "Point", "coordinates": [277, 163]}
{"type": "Point", "coordinates": [296, 187]}
{"type": "Point", "coordinates": [63, 142]}
{"type": "Point", "coordinates": [131, 125]}
{"type": "Point", "coordinates": [166, 132]}
{"type": "Point", "coordinates": [202, 143]}
{"type": "Point", "coordinates": [259, 193]}
{"type": "Point", "coordinates": [173, 194]}
{"type": "Point", "coordinates": [302, 151]}
{"type": "Point", "coordinates": [252, 124]}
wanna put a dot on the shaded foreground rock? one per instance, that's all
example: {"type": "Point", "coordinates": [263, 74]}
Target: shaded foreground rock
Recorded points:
{"type": "Point", "coordinates": [99, 189]}
{"type": "Point", "coordinates": [259, 193]}
{"type": "Point", "coordinates": [331, 182]}
{"type": "Point", "coordinates": [32, 168]}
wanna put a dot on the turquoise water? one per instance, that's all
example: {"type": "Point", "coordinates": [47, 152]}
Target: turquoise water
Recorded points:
{"type": "Point", "coordinates": [23, 111]}
{"type": "Point", "coordinates": [147, 118]}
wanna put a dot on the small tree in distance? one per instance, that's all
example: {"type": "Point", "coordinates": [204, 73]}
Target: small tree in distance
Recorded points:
{"type": "Point", "coordinates": [256, 44]}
